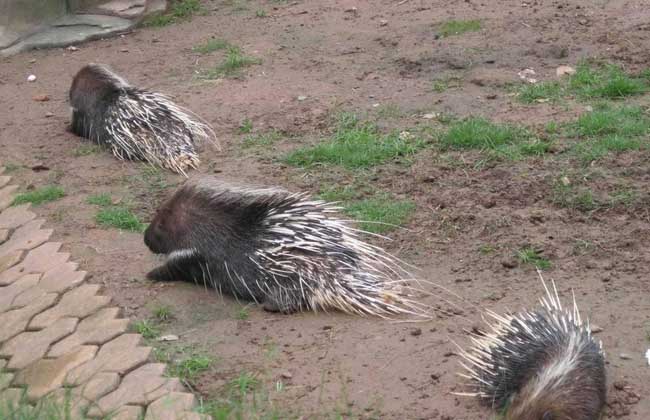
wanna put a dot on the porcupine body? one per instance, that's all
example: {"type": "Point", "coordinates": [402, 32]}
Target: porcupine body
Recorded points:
{"type": "Point", "coordinates": [274, 247]}
{"type": "Point", "coordinates": [134, 123]}
{"type": "Point", "coordinates": [539, 365]}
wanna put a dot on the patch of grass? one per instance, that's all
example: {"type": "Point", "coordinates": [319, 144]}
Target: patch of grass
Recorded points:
{"type": "Point", "coordinates": [501, 140]}
{"type": "Point", "coordinates": [625, 197]}
{"type": "Point", "coordinates": [260, 13]}
{"type": "Point", "coordinates": [380, 214]}
{"type": "Point", "coordinates": [211, 45]}
{"type": "Point", "coordinates": [86, 149]}
{"type": "Point", "coordinates": [162, 313]}
{"type": "Point", "coordinates": [180, 10]}
{"type": "Point", "coordinates": [529, 255]}
{"type": "Point", "coordinates": [11, 167]}
{"type": "Point", "coordinates": [389, 111]}
{"type": "Point", "coordinates": [44, 409]}
{"type": "Point", "coordinates": [444, 83]}
{"type": "Point", "coordinates": [458, 27]}
{"type": "Point", "coordinates": [235, 61]}
{"type": "Point", "coordinates": [246, 126]}
{"type": "Point", "coordinates": [338, 194]}
{"type": "Point", "coordinates": [189, 367]}
{"type": "Point", "coordinates": [243, 313]}
{"type": "Point", "coordinates": [575, 198]}
{"type": "Point", "coordinates": [119, 217]}
{"type": "Point", "coordinates": [609, 129]}
{"type": "Point", "coordinates": [355, 145]}
{"type": "Point", "coordinates": [261, 139]}
{"type": "Point", "coordinates": [541, 92]}
{"type": "Point", "coordinates": [40, 195]}
{"type": "Point", "coordinates": [605, 81]}
{"type": "Point", "coordinates": [486, 249]}
{"type": "Point", "coordinates": [102, 200]}
{"type": "Point", "coordinates": [146, 329]}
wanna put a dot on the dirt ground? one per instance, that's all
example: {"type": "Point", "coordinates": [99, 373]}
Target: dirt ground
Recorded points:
{"type": "Point", "coordinates": [386, 53]}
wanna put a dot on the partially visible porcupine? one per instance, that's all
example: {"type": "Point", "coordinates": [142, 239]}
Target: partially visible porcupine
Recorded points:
{"type": "Point", "coordinates": [274, 247]}
{"type": "Point", "coordinates": [134, 123]}
{"type": "Point", "coordinates": [539, 365]}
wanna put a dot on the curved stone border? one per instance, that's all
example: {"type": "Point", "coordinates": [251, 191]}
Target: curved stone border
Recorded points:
{"type": "Point", "coordinates": [60, 338]}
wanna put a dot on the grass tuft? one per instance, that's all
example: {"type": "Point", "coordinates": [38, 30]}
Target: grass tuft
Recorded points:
{"type": "Point", "coordinates": [501, 140]}
{"type": "Point", "coordinates": [188, 368]}
{"type": "Point", "coordinates": [86, 150]}
{"type": "Point", "coordinates": [40, 195]}
{"type": "Point", "coordinates": [102, 200]}
{"type": "Point", "coordinates": [529, 255]}
{"type": "Point", "coordinates": [356, 145]}
{"type": "Point", "coordinates": [146, 329]}
{"type": "Point", "coordinates": [181, 10]}
{"type": "Point", "coordinates": [458, 27]}
{"type": "Point", "coordinates": [235, 61]}
{"type": "Point", "coordinates": [119, 217]}
{"type": "Point", "coordinates": [162, 313]}
{"type": "Point", "coordinates": [211, 45]}
{"type": "Point", "coordinates": [261, 139]}
{"type": "Point", "coordinates": [381, 214]}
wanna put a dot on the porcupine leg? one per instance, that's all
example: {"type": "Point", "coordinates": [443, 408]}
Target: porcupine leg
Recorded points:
{"type": "Point", "coordinates": [185, 267]}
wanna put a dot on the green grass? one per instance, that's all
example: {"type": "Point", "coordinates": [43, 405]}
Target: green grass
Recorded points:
{"type": "Point", "coordinates": [609, 129]}
{"type": "Point", "coordinates": [458, 27]}
{"type": "Point", "coordinates": [86, 150]}
{"type": "Point", "coordinates": [180, 10]}
{"type": "Point", "coordinates": [355, 145]}
{"type": "Point", "coordinates": [260, 13]}
{"type": "Point", "coordinates": [102, 200]}
{"type": "Point", "coordinates": [442, 84]}
{"type": "Point", "coordinates": [246, 126]}
{"type": "Point", "coordinates": [574, 197]}
{"type": "Point", "coordinates": [243, 313]}
{"type": "Point", "coordinates": [211, 45]}
{"type": "Point", "coordinates": [40, 195]}
{"type": "Point", "coordinates": [486, 249]}
{"type": "Point", "coordinates": [541, 92]}
{"type": "Point", "coordinates": [380, 214]}
{"type": "Point", "coordinates": [590, 81]}
{"type": "Point", "coordinates": [146, 329]}
{"type": "Point", "coordinates": [44, 409]}
{"type": "Point", "coordinates": [189, 367]}
{"type": "Point", "coordinates": [233, 64]}
{"type": "Point", "coordinates": [119, 217]}
{"type": "Point", "coordinates": [261, 139]}
{"type": "Point", "coordinates": [532, 257]}
{"type": "Point", "coordinates": [162, 313]}
{"type": "Point", "coordinates": [500, 140]}
{"type": "Point", "coordinates": [11, 167]}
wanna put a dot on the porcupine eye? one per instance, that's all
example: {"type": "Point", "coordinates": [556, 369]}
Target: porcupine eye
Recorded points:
{"type": "Point", "coordinates": [156, 237]}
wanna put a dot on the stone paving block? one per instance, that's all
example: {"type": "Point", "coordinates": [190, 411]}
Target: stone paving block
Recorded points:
{"type": "Point", "coordinates": [7, 195]}
{"type": "Point", "coordinates": [4, 180]}
{"type": "Point", "coordinates": [4, 235]}
{"type": "Point", "coordinates": [129, 412]}
{"type": "Point", "coordinates": [16, 216]}
{"type": "Point", "coordinates": [100, 385]}
{"type": "Point", "coordinates": [9, 293]}
{"type": "Point", "coordinates": [62, 278]}
{"type": "Point", "coordinates": [171, 406]}
{"type": "Point", "coordinates": [118, 355]}
{"type": "Point", "coordinates": [14, 322]}
{"type": "Point", "coordinates": [98, 328]}
{"type": "Point", "coordinates": [29, 346]}
{"type": "Point", "coordinates": [136, 388]}
{"type": "Point", "coordinates": [46, 375]}
{"type": "Point", "coordinates": [39, 260]}
{"type": "Point", "coordinates": [8, 261]}
{"type": "Point", "coordinates": [79, 302]}
{"type": "Point", "coordinates": [26, 237]}
{"type": "Point", "coordinates": [5, 380]}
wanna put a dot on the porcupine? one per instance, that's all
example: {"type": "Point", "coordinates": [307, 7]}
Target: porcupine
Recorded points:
{"type": "Point", "coordinates": [271, 246]}
{"type": "Point", "coordinates": [134, 123]}
{"type": "Point", "coordinates": [539, 365]}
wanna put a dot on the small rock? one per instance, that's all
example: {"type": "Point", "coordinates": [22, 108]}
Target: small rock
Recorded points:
{"type": "Point", "coordinates": [383, 22]}
{"type": "Point", "coordinates": [430, 116]}
{"type": "Point", "coordinates": [589, 108]}
{"type": "Point", "coordinates": [376, 105]}
{"type": "Point", "coordinates": [72, 48]}
{"type": "Point", "coordinates": [491, 96]}
{"type": "Point", "coordinates": [41, 98]}
{"type": "Point", "coordinates": [327, 327]}
{"type": "Point", "coordinates": [406, 136]}
{"type": "Point", "coordinates": [595, 329]}
{"type": "Point", "coordinates": [564, 70]}
{"type": "Point", "coordinates": [170, 337]}
{"type": "Point", "coordinates": [510, 263]}
{"type": "Point", "coordinates": [302, 98]}
{"type": "Point", "coordinates": [565, 181]}
{"type": "Point", "coordinates": [124, 50]}
{"type": "Point", "coordinates": [31, 78]}
{"type": "Point", "coordinates": [416, 331]}
{"type": "Point", "coordinates": [286, 375]}
{"type": "Point", "coordinates": [620, 385]}
{"type": "Point", "coordinates": [48, 115]}
{"type": "Point", "coordinates": [527, 75]}
{"type": "Point", "coordinates": [351, 10]}
{"type": "Point", "coordinates": [625, 356]}
{"type": "Point", "coordinates": [647, 356]}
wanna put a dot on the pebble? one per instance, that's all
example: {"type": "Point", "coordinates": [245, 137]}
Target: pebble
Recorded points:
{"type": "Point", "coordinates": [595, 329]}
{"type": "Point", "coordinates": [383, 22]}
{"type": "Point", "coordinates": [625, 356]}
{"type": "Point", "coordinates": [286, 375]}
{"type": "Point", "coordinates": [430, 116]}
{"type": "Point", "coordinates": [170, 337]}
{"type": "Point", "coordinates": [31, 78]}
{"type": "Point", "coordinates": [302, 98]}
{"type": "Point", "coordinates": [72, 48]}
{"type": "Point", "coordinates": [564, 70]}
{"type": "Point", "coordinates": [416, 331]}
{"type": "Point", "coordinates": [41, 98]}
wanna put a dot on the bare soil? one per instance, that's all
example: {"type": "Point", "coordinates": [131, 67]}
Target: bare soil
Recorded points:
{"type": "Point", "coordinates": [342, 59]}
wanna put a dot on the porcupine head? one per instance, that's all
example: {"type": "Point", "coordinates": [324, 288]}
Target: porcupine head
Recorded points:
{"type": "Point", "coordinates": [196, 233]}
{"type": "Point", "coordinates": [93, 89]}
